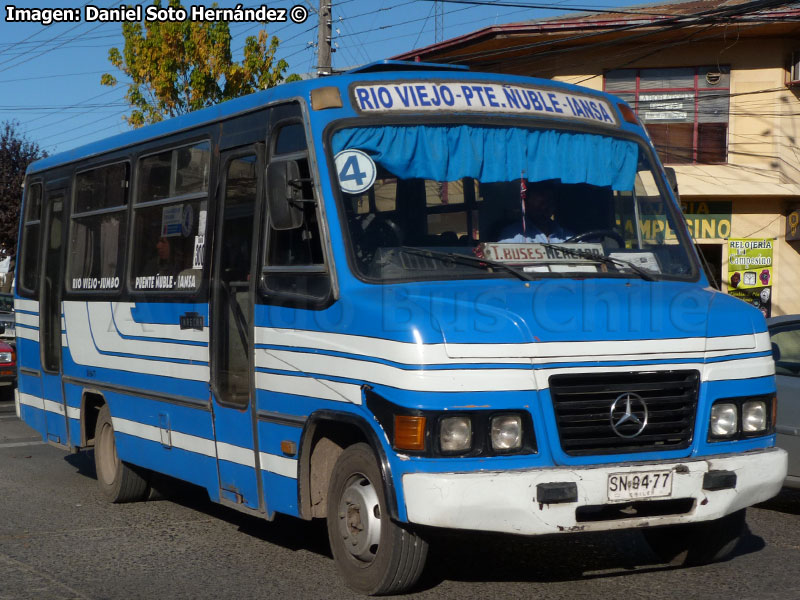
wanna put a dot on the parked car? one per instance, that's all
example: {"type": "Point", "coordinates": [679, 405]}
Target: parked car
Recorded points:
{"type": "Point", "coordinates": [8, 368]}
{"type": "Point", "coordinates": [785, 334]}
{"type": "Point", "coordinates": [7, 319]}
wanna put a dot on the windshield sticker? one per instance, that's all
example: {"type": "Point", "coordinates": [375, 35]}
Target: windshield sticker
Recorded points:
{"type": "Point", "coordinates": [539, 253]}
{"type": "Point", "coordinates": [356, 171]}
{"type": "Point", "coordinates": [481, 97]}
{"type": "Point", "coordinates": [643, 260]}
{"type": "Point", "coordinates": [188, 220]}
{"type": "Point", "coordinates": [172, 220]}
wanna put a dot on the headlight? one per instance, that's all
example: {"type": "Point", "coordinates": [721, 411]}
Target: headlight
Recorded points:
{"type": "Point", "coordinates": [455, 434]}
{"type": "Point", "coordinates": [5, 357]}
{"type": "Point", "coordinates": [506, 432]}
{"type": "Point", "coordinates": [723, 420]}
{"type": "Point", "coordinates": [754, 416]}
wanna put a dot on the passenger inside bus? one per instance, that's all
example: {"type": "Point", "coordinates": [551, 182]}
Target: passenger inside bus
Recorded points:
{"type": "Point", "coordinates": [166, 260]}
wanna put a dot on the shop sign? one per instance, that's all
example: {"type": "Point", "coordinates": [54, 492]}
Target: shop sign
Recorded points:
{"type": "Point", "coordinates": [750, 271]}
{"type": "Point", "coordinates": [705, 220]}
{"type": "Point", "coordinates": [793, 226]}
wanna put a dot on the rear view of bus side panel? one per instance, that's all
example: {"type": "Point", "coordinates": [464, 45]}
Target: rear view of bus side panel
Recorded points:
{"type": "Point", "coordinates": [29, 381]}
{"type": "Point", "coordinates": [26, 308]}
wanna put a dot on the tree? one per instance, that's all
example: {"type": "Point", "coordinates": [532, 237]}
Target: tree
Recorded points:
{"type": "Point", "coordinates": [16, 153]}
{"type": "Point", "coordinates": [178, 67]}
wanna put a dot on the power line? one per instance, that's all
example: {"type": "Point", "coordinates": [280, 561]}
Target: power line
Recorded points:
{"type": "Point", "coordinates": [666, 24]}
{"type": "Point", "coordinates": [558, 7]}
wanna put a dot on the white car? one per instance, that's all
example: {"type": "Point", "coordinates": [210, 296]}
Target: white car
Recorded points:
{"type": "Point", "coordinates": [785, 334]}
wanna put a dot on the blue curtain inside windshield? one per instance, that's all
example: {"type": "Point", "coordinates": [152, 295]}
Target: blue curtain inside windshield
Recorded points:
{"type": "Point", "coordinates": [491, 154]}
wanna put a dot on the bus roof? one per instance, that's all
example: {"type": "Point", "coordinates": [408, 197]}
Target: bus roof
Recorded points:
{"type": "Point", "coordinates": [390, 70]}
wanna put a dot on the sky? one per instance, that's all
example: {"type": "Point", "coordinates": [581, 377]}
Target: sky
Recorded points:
{"type": "Point", "coordinates": [50, 75]}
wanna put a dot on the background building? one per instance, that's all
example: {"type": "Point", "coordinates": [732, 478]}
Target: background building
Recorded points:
{"type": "Point", "coordinates": [717, 84]}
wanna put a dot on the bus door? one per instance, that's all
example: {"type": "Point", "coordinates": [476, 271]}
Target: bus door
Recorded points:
{"type": "Point", "coordinates": [232, 297]}
{"type": "Point", "coordinates": [50, 315]}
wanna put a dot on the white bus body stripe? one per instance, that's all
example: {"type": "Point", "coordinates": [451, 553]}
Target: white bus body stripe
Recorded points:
{"type": "Point", "coordinates": [26, 319]}
{"type": "Point", "coordinates": [107, 339]}
{"type": "Point", "coordinates": [85, 353]}
{"type": "Point", "coordinates": [441, 380]}
{"type": "Point", "coordinates": [307, 386]}
{"type": "Point", "coordinates": [278, 464]}
{"type": "Point", "coordinates": [33, 401]}
{"type": "Point", "coordinates": [236, 454]}
{"type": "Point", "coordinates": [54, 407]}
{"type": "Point", "coordinates": [73, 413]}
{"type": "Point", "coordinates": [24, 304]}
{"type": "Point", "coordinates": [418, 354]}
{"type": "Point", "coordinates": [123, 318]}
{"type": "Point", "coordinates": [27, 334]}
{"type": "Point", "coordinates": [745, 368]}
{"type": "Point", "coordinates": [180, 440]}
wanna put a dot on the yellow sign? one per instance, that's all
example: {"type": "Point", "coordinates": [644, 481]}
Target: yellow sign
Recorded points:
{"type": "Point", "coordinates": [793, 226]}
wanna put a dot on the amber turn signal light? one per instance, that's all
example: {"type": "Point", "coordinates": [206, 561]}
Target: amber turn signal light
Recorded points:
{"type": "Point", "coordinates": [628, 114]}
{"type": "Point", "coordinates": [409, 432]}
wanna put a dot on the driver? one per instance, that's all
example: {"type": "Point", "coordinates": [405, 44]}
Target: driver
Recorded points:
{"type": "Point", "coordinates": [538, 223]}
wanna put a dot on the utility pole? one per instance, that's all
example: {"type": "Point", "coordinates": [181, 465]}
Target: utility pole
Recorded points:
{"type": "Point", "coordinates": [324, 41]}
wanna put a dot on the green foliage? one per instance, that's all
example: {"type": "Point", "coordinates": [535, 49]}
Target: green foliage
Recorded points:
{"type": "Point", "coordinates": [177, 68]}
{"type": "Point", "coordinates": [16, 153]}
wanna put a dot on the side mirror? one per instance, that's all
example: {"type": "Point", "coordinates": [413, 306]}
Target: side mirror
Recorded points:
{"type": "Point", "coordinates": [672, 178]}
{"type": "Point", "coordinates": [776, 352]}
{"type": "Point", "coordinates": [283, 195]}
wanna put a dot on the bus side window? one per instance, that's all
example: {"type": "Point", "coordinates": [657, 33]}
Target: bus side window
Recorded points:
{"type": "Point", "coordinates": [294, 258]}
{"type": "Point", "coordinates": [98, 228]}
{"type": "Point", "coordinates": [29, 266]}
{"type": "Point", "coordinates": [169, 219]}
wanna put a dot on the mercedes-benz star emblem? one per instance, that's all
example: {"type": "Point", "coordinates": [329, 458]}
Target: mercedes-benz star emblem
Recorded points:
{"type": "Point", "coordinates": [628, 415]}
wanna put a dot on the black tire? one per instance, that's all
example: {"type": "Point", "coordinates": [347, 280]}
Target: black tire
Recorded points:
{"type": "Point", "coordinates": [118, 481]}
{"type": "Point", "coordinates": [695, 544]}
{"type": "Point", "coordinates": [373, 554]}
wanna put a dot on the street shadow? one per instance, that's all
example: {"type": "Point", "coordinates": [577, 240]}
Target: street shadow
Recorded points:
{"type": "Point", "coordinates": [473, 557]}
{"type": "Point", "coordinates": [465, 556]}
{"type": "Point", "coordinates": [788, 502]}
{"type": "Point", "coordinates": [288, 532]}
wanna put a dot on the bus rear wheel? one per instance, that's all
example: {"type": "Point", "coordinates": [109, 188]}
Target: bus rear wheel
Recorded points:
{"type": "Point", "coordinates": [694, 544]}
{"type": "Point", "coordinates": [373, 554]}
{"type": "Point", "coordinates": [118, 481]}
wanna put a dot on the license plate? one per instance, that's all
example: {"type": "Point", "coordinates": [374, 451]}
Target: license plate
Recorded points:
{"type": "Point", "coordinates": [643, 484]}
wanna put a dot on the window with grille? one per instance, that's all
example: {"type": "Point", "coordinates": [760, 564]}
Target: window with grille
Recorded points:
{"type": "Point", "coordinates": [685, 110]}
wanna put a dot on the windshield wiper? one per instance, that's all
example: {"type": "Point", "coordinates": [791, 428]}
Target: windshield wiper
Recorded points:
{"type": "Point", "coordinates": [464, 259]}
{"type": "Point", "coordinates": [608, 260]}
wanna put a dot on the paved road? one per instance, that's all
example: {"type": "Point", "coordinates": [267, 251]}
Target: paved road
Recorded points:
{"type": "Point", "coordinates": [59, 540]}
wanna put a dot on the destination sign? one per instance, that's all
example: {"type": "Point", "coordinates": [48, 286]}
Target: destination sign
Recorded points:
{"type": "Point", "coordinates": [540, 253]}
{"type": "Point", "coordinates": [480, 97]}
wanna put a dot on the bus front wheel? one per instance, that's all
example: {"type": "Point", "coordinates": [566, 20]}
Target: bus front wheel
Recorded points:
{"type": "Point", "coordinates": [118, 481]}
{"type": "Point", "coordinates": [373, 554]}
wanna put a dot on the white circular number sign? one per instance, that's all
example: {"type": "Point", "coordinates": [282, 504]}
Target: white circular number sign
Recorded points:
{"type": "Point", "coordinates": [356, 171]}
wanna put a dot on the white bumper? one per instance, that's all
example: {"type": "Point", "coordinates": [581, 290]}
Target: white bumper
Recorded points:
{"type": "Point", "coordinates": [506, 501]}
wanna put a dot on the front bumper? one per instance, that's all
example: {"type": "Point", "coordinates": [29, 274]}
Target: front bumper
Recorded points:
{"type": "Point", "coordinates": [506, 501]}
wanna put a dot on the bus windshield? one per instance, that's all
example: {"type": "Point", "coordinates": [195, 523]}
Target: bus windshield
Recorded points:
{"type": "Point", "coordinates": [456, 201]}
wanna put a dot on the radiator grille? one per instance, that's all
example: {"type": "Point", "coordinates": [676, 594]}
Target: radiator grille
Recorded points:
{"type": "Point", "coordinates": [583, 405]}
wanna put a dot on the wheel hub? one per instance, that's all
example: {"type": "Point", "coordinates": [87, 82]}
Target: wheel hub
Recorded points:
{"type": "Point", "coordinates": [360, 518]}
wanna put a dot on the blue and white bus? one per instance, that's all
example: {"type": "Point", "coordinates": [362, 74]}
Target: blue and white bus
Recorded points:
{"type": "Point", "coordinates": [346, 299]}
